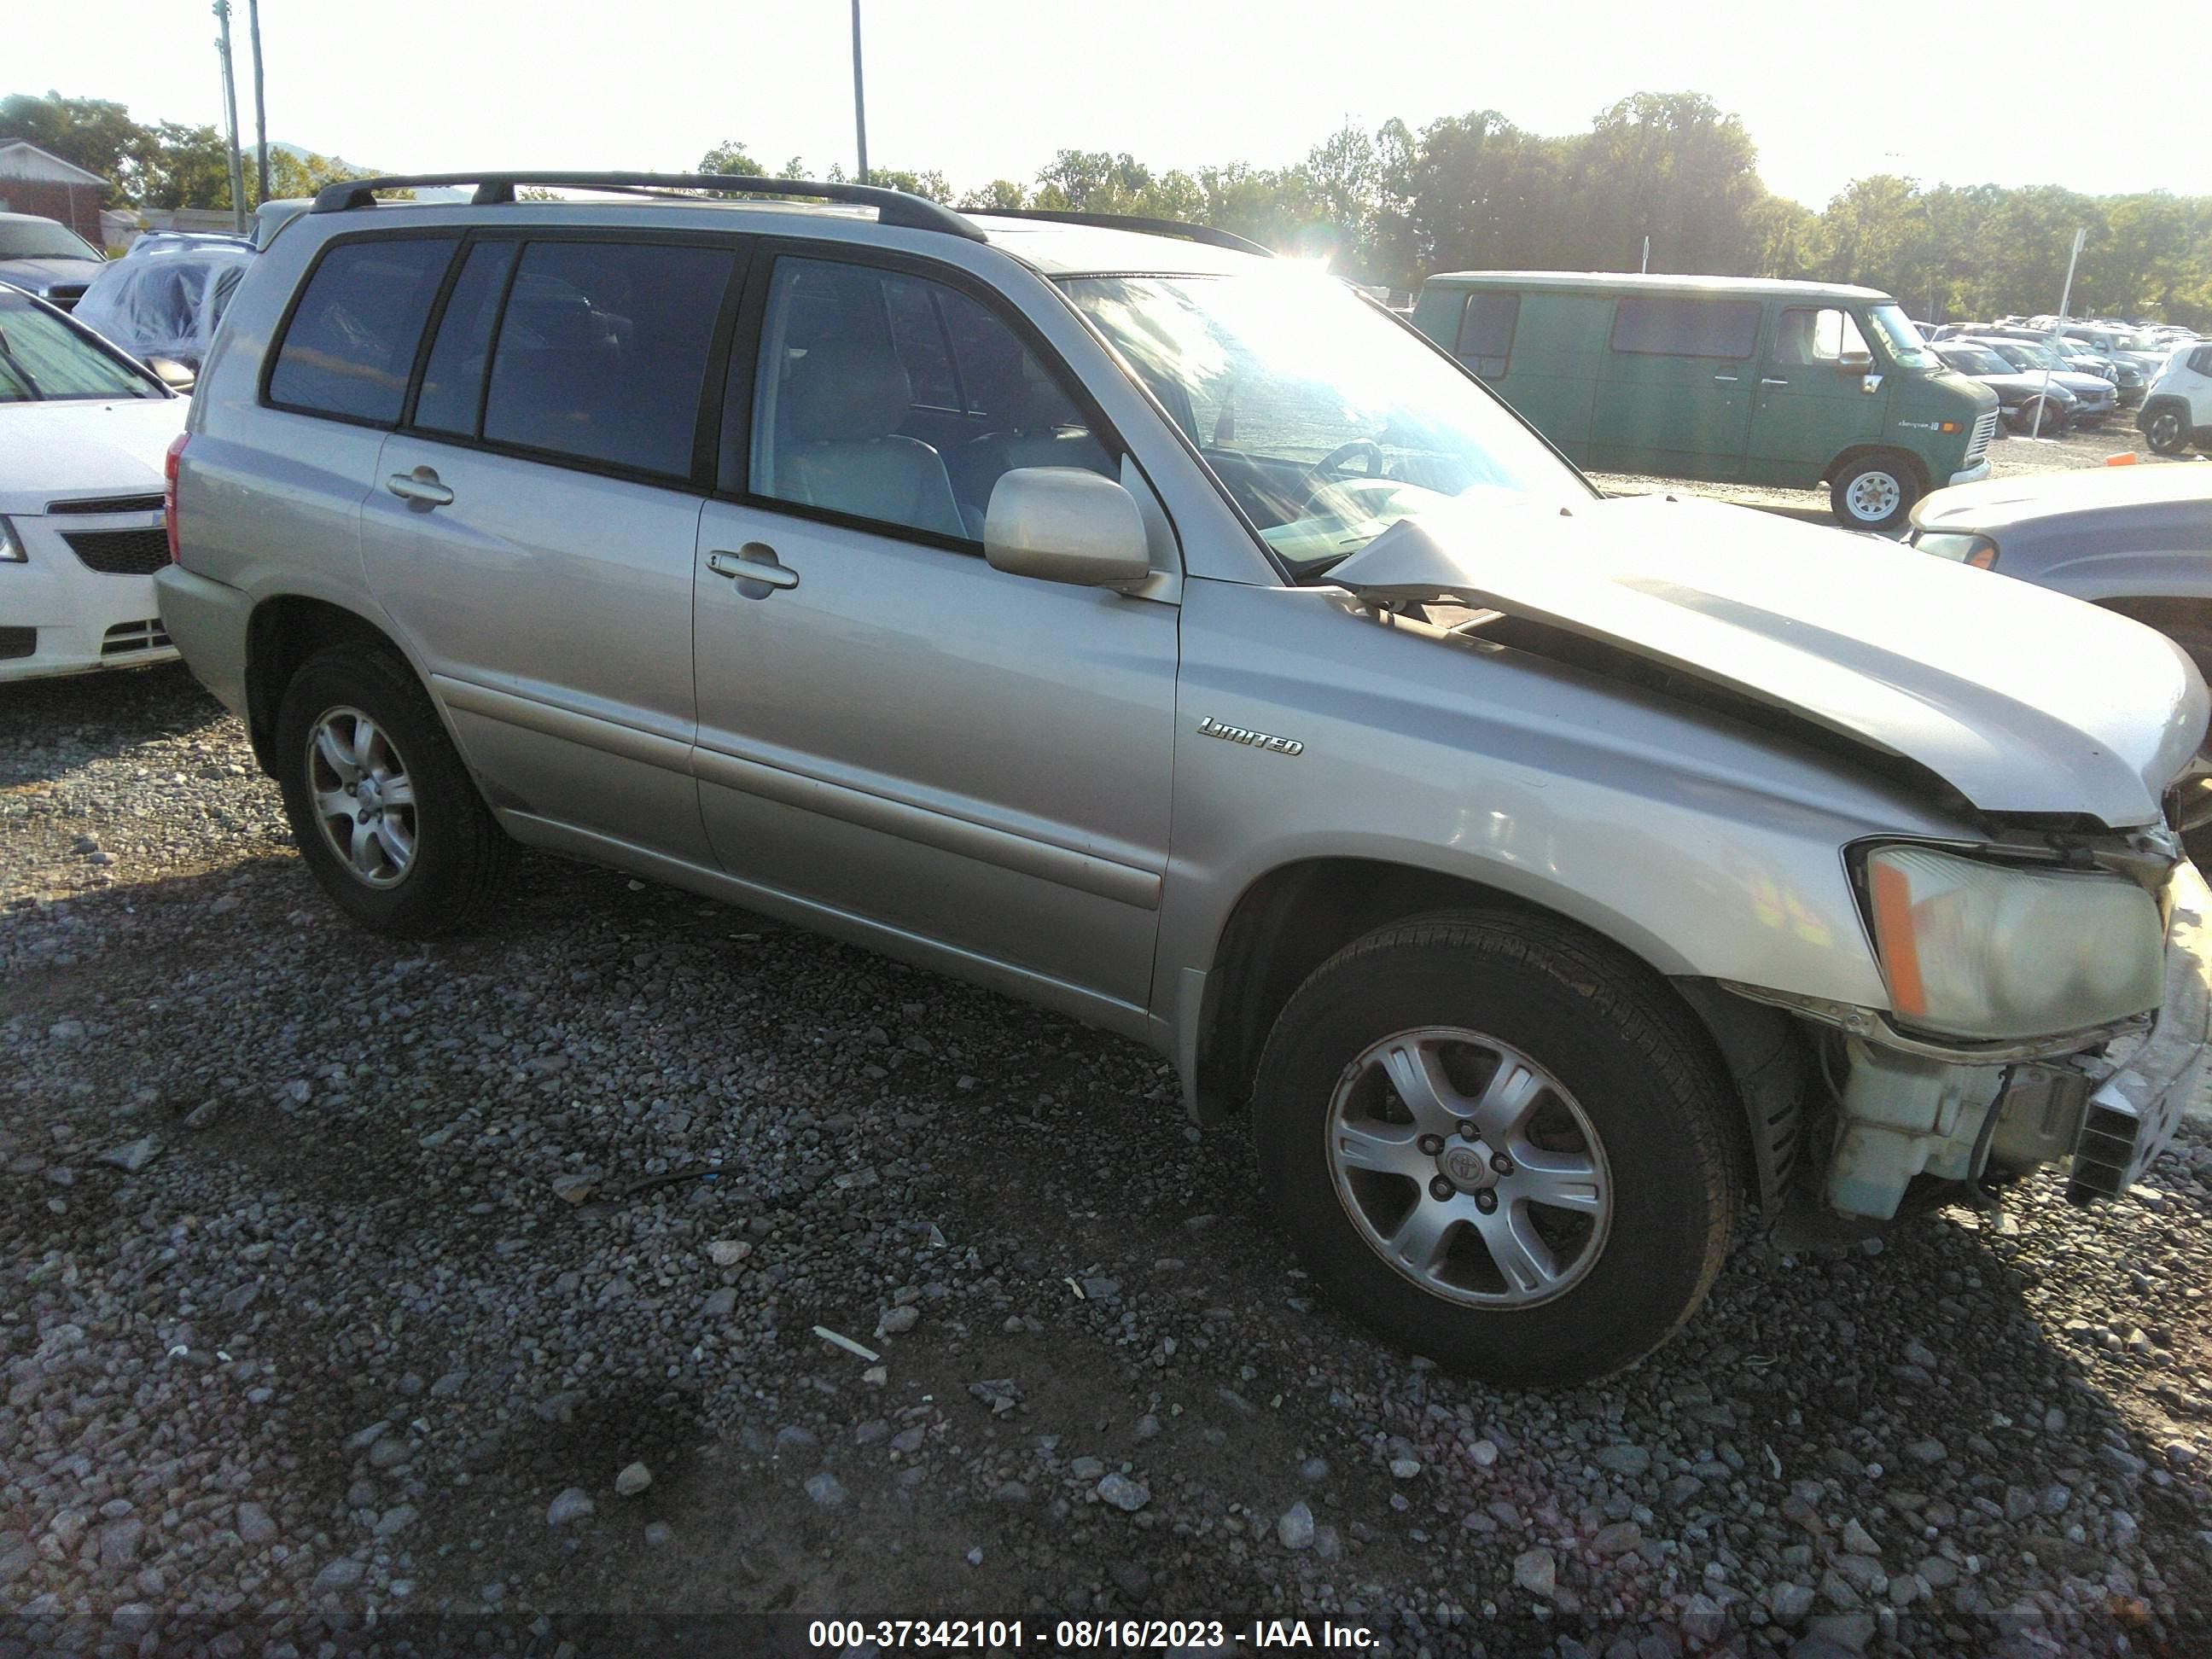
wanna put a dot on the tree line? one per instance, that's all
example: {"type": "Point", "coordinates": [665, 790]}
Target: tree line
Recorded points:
{"type": "Point", "coordinates": [1465, 191]}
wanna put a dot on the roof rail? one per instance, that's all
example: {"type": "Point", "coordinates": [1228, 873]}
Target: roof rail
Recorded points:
{"type": "Point", "coordinates": [893, 207]}
{"type": "Point", "coordinates": [1176, 228]}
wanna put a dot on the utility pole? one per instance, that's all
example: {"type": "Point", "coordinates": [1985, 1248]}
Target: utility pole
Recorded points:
{"type": "Point", "coordinates": [260, 104]}
{"type": "Point", "coordinates": [860, 99]}
{"type": "Point", "coordinates": [2057, 328]}
{"type": "Point", "coordinates": [230, 114]}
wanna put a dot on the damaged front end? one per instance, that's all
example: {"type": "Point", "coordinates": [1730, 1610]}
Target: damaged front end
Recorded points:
{"type": "Point", "coordinates": [1907, 1109]}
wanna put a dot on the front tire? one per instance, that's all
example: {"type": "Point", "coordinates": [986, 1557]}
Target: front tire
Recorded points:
{"type": "Point", "coordinates": [1876, 492]}
{"type": "Point", "coordinates": [385, 813]}
{"type": "Point", "coordinates": [1583, 1217]}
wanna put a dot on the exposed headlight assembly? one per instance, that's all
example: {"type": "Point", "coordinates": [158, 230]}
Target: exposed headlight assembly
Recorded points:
{"type": "Point", "coordinates": [1995, 950]}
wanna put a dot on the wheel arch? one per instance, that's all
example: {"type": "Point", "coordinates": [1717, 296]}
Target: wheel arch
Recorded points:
{"type": "Point", "coordinates": [1852, 455]}
{"type": "Point", "coordinates": [1291, 919]}
{"type": "Point", "coordinates": [283, 632]}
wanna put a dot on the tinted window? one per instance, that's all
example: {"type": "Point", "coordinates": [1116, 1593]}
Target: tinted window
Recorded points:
{"type": "Point", "coordinates": [351, 342]}
{"type": "Point", "coordinates": [919, 338]}
{"type": "Point", "coordinates": [1485, 332]}
{"type": "Point", "coordinates": [1682, 326]}
{"type": "Point", "coordinates": [45, 358]}
{"type": "Point", "coordinates": [452, 382]}
{"type": "Point", "coordinates": [603, 351]}
{"type": "Point", "coordinates": [840, 420]}
{"type": "Point", "coordinates": [2201, 360]}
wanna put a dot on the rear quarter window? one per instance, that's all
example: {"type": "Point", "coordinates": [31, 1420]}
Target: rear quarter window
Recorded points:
{"type": "Point", "coordinates": [1685, 325]}
{"type": "Point", "coordinates": [1485, 332]}
{"type": "Point", "coordinates": [349, 346]}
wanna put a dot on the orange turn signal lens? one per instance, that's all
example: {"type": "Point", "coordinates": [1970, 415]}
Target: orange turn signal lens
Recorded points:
{"type": "Point", "coordinates": [1950, 426]}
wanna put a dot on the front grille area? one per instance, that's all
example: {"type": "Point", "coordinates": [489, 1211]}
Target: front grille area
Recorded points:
{"type": "Point", "coordinates": [64, 296]}
{"type": "Point", "coordinates": [108, 504]}
{"type": "Point", "coordinates": [1985, 432]}
{"type": "Point", "coordinates": [18, 642]}
{"type": "Point", "coordinates": [121, 552]}
{"type": "Point", "coordinates": [125, 638]}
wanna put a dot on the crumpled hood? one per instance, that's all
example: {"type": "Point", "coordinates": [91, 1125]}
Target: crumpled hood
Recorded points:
{"type": "Point", "coordinates": [52, 451]}
{"type": "Point", "coordinates": [2022, 699]}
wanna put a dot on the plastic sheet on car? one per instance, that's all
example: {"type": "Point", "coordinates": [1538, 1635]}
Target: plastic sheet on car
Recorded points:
{"type": "Point", "coordinates": [166, 304]}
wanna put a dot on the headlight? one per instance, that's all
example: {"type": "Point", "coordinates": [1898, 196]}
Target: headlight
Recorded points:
{"type": "Point", "coordinates": [1962, 547]}
{"type": "Point", "coordinates": [11, 546]}
{"type": "Point", "coordinates": [1997, 950]}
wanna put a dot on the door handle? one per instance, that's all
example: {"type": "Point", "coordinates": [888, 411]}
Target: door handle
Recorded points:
{"type": "Point", "coordinates": [419, 485]}
{"type": "Point", "coordinates": [1724, 379]}
{"type": "Point", "coordinates": [1768, 380]}
{"type": "Point", "coordinates": [755, 562]}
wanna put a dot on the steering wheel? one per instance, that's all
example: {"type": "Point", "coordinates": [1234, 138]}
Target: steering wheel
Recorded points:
{"type": "Point", "coordinates": [1328, 466]}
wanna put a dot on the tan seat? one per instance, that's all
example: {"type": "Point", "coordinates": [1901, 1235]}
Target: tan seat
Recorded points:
{"type": "Point", "coordinates": [844, 404]}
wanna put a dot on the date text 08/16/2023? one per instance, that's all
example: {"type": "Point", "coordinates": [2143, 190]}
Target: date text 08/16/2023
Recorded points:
{"type": "Point", "coordinates": [1083, 1634]}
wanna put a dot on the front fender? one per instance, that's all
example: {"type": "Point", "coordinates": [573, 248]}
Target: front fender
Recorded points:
{"type": "Point", "coordinates": [1700, 845]}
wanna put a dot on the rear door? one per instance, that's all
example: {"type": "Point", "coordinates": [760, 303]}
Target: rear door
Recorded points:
{"type": "Point", "coordinates": [532, 521]}
{"type": "Point", "coordinates": [1809, 408]}
{"type": "Point", "coordinates": [1673, 397]}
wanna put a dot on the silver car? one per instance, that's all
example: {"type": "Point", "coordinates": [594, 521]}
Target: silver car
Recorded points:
{"type": "Point", "coordinates": [1171, 638]}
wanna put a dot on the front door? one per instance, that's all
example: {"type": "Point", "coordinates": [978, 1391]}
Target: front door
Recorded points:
{"type": "Point", "coordinates": [1673, 394]}
{"type": "Point", "coordinates": [1810, 407]}
{"type": "Point", "coordinates": [533, 529]}
{"type": "Point", "coordinates": [952, 761]}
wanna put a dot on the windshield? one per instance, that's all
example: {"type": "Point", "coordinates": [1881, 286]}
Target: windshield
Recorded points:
{"type": "Point", "coordinates": [1325, 421]}
{"type": "Point", "coordinates": [1907, 350]}
{"type": "Point", "coordinates": [42, 358]}
{"type": "Point", "coordinates": [42, 239]}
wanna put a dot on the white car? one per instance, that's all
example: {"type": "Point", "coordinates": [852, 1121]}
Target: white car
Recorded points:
{"type": "Point", "coordinates": [84, 432]}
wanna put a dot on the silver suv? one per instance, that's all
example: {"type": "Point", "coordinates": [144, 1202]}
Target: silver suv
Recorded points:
{"type": "Point", "coordinates": [1170, 637]}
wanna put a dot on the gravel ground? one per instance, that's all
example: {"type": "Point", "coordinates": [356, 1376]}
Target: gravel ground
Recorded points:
{"type": "Point", "coordinates": [344, 1285]}
{"type": "Point", "coordinates": [2010, 457]}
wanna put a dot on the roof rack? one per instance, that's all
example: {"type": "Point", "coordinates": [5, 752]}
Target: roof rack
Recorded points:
{"type": "Point", "coordinates": [893, 207]}
{"type": "Point", "coordinates": [1177, 227]}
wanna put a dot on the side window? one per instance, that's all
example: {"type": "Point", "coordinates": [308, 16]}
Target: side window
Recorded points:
{"type": "Point", "coordinates": [602, 351]}
{"type": "Point", "coordinates": [847, 415]}
{"type": "Point", "coordinates": [1680, 325]}
{"type": "Point", "coordinates": [453, 382]}
{"type": "Point", "coordinates": [1806, 336]}
{"type": "Point", "coordinates": [918, 336]}
{"type": "Point", "coordinates": [2201, 360]}
{"type": "Point", "coordinates": [350, 344]}
{"type": "Point", "coordinates": [1485, 332]}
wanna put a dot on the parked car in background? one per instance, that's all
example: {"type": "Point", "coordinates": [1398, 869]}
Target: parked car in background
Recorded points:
{"type": "Point", "coordinates": [1049, 603]}
{"type": "Point", "coordinates": [162, 307]}
{"type": "Point", "coordinates": [2178, 413]}
{"type": "Point", "coordinates": [2023, 399]}
{"type": "Point", "coordinates": [2096, 399]}
{"type": "Point", "coordinates": [83, 428]}
{"type": "Point", "coordinates": [2133, 540]}
{"type": "Point", "coordinates": [2117, 345]}
{"type": "Point", "coordinates": [2076, 358]}
{"type": "Point", "coordinates": [1768, 382]}
{"type": "Point", "coordinates": [44, 257]}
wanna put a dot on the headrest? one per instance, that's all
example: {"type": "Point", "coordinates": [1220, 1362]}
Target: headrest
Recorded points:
{"type": "Point", "coordinates": [847, 391]}
{"type": "Point", "coordinates": [1039, 404]}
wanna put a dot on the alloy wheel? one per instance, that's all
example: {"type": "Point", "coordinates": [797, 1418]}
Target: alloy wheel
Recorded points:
{"type": "Point", "coordinates": [364, 799]}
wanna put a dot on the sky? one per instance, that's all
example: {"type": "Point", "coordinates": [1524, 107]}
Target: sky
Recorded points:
{"type": "Point", "coordinates": [987, 89]}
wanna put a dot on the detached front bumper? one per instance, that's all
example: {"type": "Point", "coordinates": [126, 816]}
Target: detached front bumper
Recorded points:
{"type": "Point", "coordinates": [2147, 1088]}
{"type": "Point", "coordinates": [1902, 1114]}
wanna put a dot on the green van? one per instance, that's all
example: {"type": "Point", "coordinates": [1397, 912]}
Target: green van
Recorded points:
{"type": "Point", "coordinates": [1749, 381]}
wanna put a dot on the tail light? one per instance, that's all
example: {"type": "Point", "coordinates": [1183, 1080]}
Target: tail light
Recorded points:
{"type": "Point", "coordinates": [169, 492]}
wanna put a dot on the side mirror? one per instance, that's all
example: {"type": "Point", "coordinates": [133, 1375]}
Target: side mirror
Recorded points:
{"type": "Point", "coordinates": [1855, 362]}
{"type": "Point", "coordinates": [1062, 524]}
{"type": "Point", "coordinates": [172, 373]}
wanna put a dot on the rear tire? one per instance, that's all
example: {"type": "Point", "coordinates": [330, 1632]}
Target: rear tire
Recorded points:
{"type": "Point", "coordinates": [385, 813]}
{"type": "Point", "coordinates": [2166, 431]}
{"type": "Point", "coordinates": [1876, 492]}
{"type": "Point", "coordinates": [1612, 1198]}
